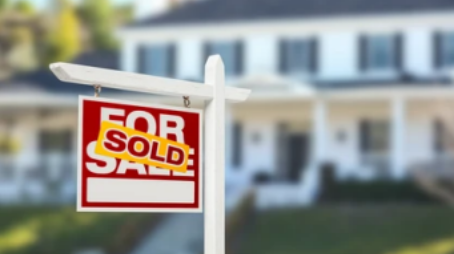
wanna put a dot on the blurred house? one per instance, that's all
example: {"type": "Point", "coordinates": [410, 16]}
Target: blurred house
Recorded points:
{"type": "Point", "coordinates": [38, 128]}
{"type": "Point", "coordinates": [358, 85]}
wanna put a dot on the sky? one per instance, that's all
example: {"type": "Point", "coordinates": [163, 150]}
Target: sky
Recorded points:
{"type": "Point", "coordinates": [40, 4]}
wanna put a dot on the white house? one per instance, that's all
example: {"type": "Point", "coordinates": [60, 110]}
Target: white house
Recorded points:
{"type": "Point", "coordinates": [361, 85]}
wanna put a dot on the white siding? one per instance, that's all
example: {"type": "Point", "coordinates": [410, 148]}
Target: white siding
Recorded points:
{"type": "Point", "coordinates": [189, 62]}
{"type": "Point", "coordinates": [344, 153]}
{"type": "Point", "coordinates": [338, 55]}
{"type": "Point", "coordinates": [418, 51]}
{"type": "Point", "coordinates": [261, 54]}
{"type": "Point", "coordinates": [259, 155]}
{"type": "Point", "coordinates": [419, 140]}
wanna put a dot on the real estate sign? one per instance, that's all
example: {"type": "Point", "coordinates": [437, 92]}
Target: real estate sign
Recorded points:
{"type": "Point", "coordinates": [138, 157]}
{"type": "Point", "coordinates": [143, 158]}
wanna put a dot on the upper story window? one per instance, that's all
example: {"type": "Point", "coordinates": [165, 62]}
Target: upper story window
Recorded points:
{"type": "Point", "coordinates": [380, 52]}
{"type": "Point", "coordinates": [298, 56]}
{"type": "Point", "coordinates": [444, 55]}
{"type": "Point", "coordinates": [157, 60]}
{"type": "Point", "coordinates": [231, 53]}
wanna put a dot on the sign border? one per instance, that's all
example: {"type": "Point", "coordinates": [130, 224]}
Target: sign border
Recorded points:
{"type": "Point", "coordinates": [118, 209]}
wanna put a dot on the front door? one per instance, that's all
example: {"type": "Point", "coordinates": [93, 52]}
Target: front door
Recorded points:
{"type": "Point", "coordinates": [297, 149]}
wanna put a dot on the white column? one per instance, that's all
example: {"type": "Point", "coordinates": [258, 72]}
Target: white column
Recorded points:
{"type": "Point", "coordinates": [319, 132]}
{"type": "Point", "coordinates": [397, 138]}
{"type": "Point", "coordinates": [128, 57]}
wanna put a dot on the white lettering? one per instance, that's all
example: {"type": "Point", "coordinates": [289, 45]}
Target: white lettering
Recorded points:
{"type": "Point", "coordinates": [126, 165]}
{"type": "Point", "coordinates": [111, 163]}
{"type": "Point", "coordinates": [165, 130]}
{"type": "Point", "coordinates": [107, 112]}
{"type": "Point", "coordinates": [132, 118]}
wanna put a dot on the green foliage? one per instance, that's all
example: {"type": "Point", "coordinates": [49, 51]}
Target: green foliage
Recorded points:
{"type": "Point", "coordinates": [98, 17]}
{"type": "Point", "coordinates": [44, 230]}
{"type": "Point", "coordinates": [64, 41]}
{"type": "Point", "coordinates": [383, 191]}
{"type": "Point", "coordinates": [24, 7]}
{"type": "Point", "coordinates": [4, 4]}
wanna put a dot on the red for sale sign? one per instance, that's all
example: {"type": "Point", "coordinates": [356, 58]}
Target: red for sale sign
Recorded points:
{"type": "Point", "coordinates": [135, 157]}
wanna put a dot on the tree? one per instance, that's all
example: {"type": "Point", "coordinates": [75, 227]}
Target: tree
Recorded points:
{"type": "Point", "coordinates": [24, 7]}
{"type": "Point", "coordinates": [22, 56]}
{"type": "Point", "coordinates": [4, 4]}
{"type": "Point", "coordinates": [98, 17]}
{"type": "Point", "coordinates": [64, 39]}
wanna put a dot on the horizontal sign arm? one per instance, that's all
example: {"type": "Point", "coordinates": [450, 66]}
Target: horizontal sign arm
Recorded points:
{"type": "Point", "coordinates": [88, 75]}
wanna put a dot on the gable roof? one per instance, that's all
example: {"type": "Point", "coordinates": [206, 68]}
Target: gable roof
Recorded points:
{"type": "Point", "coordinates": [45, 81]}
{"type": "Point", "coordinates": [203, 11]}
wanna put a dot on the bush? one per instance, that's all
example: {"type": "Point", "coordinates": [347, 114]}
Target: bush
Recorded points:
{"type": "Point", "coordinates": [381, 191]}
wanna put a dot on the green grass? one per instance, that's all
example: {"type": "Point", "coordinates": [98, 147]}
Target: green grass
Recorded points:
{"type": "Point", "coordinates": [49, 230]}
{"type": "Point", "coordinates": [354, 230]}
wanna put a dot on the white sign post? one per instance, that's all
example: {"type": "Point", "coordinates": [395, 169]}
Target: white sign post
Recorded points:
{"type": "Point", "coordinates": [214, 92]}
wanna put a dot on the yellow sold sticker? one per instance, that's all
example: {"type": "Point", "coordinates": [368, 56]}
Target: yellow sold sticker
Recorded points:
{"type": "Point", "coordinates": [125, 143]}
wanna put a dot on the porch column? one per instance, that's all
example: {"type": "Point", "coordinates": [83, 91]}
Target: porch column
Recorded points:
{"type": "Point", "coordinates": [397, 138]}
{"type": "Point", "coordinates": [319, 133]}
{"type": "Point", "coordinates": [128, 58]}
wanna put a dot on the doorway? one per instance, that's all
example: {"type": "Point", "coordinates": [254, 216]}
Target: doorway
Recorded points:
{"type": "Point", "coordinates": [297, 154]}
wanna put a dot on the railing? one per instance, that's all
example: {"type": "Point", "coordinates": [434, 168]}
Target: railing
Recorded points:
{"type": "Point", "coordinates": [378, 163]}
{"type": "Point", "coordinates": [442, 166]}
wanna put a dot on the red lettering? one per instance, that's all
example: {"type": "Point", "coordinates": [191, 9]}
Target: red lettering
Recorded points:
{"type": "Point", "coordinates": [154, 152]}
{"type": "Point", "coordinates": [115, 141]}
{"type": "Point", "coordinates": [138, 140]}
{"type": "Point", "coordinates": [175, 150]}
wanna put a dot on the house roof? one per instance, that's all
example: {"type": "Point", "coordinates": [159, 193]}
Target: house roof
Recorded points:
{"type": "Point", "coordinates": [204, 11]}
{"type": "Point", "coordinates": [45, 81]}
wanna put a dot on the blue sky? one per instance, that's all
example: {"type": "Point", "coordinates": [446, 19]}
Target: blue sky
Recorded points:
{"type": "Point", "coordinates": [42, 3]}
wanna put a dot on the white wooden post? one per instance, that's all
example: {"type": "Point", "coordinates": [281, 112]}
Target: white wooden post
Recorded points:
{"type": "Point", "coordinates": [214, 156]}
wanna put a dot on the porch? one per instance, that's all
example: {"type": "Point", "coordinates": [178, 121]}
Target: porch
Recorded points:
{"type": "Point", "coordinates": [37, 154]}
{"type": "Point", "coordinates": [365, 135]}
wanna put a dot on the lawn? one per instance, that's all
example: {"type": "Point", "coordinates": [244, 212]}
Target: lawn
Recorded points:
{"type": "Point", "coordinates": [352, 230]}
{"type": "Point", "coordinates": [61, 230]}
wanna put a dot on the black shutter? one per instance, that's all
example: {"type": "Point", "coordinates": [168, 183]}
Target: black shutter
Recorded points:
{"type": "Point", "coordinates": [364, 130]}
{"type": "Point", "coordinates": [206, 51]}
{"type": "Point", "coordinates": [283, 61]}
{"type": "Point", "coordinates": [171, 55]}
{"type": "Point", "coordinates": [239, 58]}
{"type": "Point", "coordinates": [237, 144]}
{"type": "Point", "coordinates": [438, 136]}
{"type": "Point", "coordinates": [313, 55]}
{"type": "Point", "coordinates": [398, 52]}
{"type": "Point", "coordinates": [141, 58]}
{"type": "Point", "coordinates": [437, 50]}
{"type": "Point", "coordinates": [362, 54]}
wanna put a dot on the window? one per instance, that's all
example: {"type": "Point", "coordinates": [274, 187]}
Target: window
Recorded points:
{"type": "Point", "coordinates": [298, 56]}
{"type": "Point", "coordinates": [237, 144]}
{"type": "Point", "coordinates": [55, 141]}
{"type": "Point", "coordinates": [380, 52]}
{"type": "Point", "coordinates": [231, 53]}
{"type": "Point", "coordinates": [157, 60]}
{"type": "Point", "coordinates": [374, 137]}
{"type": "Point", "coordinates": [443, 139]}
{"type": "Point", "coordinates": [447, 49]}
